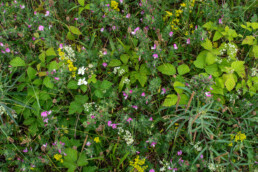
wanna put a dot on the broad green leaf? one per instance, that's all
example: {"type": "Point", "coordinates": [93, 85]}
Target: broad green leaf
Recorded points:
{"type": "Point", "coordinates": [29, 121]}
{"type": "Point", "coordinates": [114, 63]}
{"type": "Point", "coordinates": [207, 44]}
{"type": "Point", "coordinates": [178, 84]}
{"type": "Point", "coordinates": [230, 83]}
{"type": "Point", "coordinates": [239, 68]}
{"type": "Point", "coordinates": [254, 25]}
{"type": "Point", "coordinates": [98, 93]}
{"type": "Point", "coordinates": [248, 40]}
{"type": "Point", "coordinates": [90, 169]}
{"type": "Point", "coordinates": [53, 65]}
{"type": "Point", "coordinates": [70, 165]}
{"type": "Point", "coordinates": [80, 99]}
{"type": "Point", "coordinates": [170, 100]}
{"type": "Point", "coordinates": [51, 52]}
{"type": "Point", "coordinates": [81, 2]}
{"type": "Point", "coordinates": [210, 58]}
{"type": "Point", "coordinates": [167, 69]}
{"type": "Point", "coordinates": [124, 58]}
{"type": "Point", "coordinates": [212, 70]}
{"type": "Point", "coordinates": [142, 78]}
{"type": "Point", "coordinates": [83, 88]}
{"type": "Point", "coordinates": [82, 161]}
{"type": "Point", "coordinates": [70, 36]}
{"type": "Point", "coordinates": [209, 25]}
{"type": "Point", "coordinates": [200, 60]}
{"type": "Point", "coordinates": [75, 30]}
{"type": "Point", "coordinates": [47, 82]}
{"type": "Point", "coordinates": [75, 107]}
{"type": "Point", "coordinates": [255, 51]}
{"type": "Point", "coordinates": [183, 69]}
{"type": "Point", "coordinates": [17, 61]}
{"type": "Point", "coordinates": [217, 36]}
{"type": "Point", "coordinates": [144, 69]}
{"type": "Point", "coordinates": [31, 73]}
{"type": "Point", "coordinates": [106, 85]}
{"type": "Point", "coordinates": [42, 57]}
{"type": "Point", "coordinates": [72, 85]}
{"type": "Point", "coordinates": [183, 99]}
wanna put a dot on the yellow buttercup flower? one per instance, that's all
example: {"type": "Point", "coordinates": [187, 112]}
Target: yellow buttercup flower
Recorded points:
{"type": "Point", "coordinates": [183, 5]}
{"type": "Point", "coordinates": [58, 157]}
{"type": "Point", "coordinates": [96, 139]}
{"type": "Point", "coordinates": [114, 5]}
{"type": "Point", "coordinates": [230, 144]}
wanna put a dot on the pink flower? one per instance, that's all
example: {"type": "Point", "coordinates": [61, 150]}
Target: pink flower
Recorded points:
{"type": "Point", "coordinates": [92, 116]}
{"type": "Point", "coordinates": [153, 144]}
{"type": "Point", "coordinates": [102, 30]}
{"type": "Point", "coordinates": [129, 120]}
{"type": "Point", "coordinates": [44, 114]}
{"type": "Point", "coordinates": [7, 50]}
{"type": "Point", "coordinates": [46, 120]}
{"type": "Point", "coordinates": [29, 26]}
{"type": "Point", "coordinates": [109, 123]}
{"type": "Point", "coordinates": [22, 6]}
{"type": "Point", "coordinates": [88, 143]}
{"type": "Point", "coordinates": [208, 94]}
{"type": "Point", "coordinates": [59, 150]}
{"type": "Point", "coordinates": [105, 52]}
{"type": "Point", "coordinates": [44, 145]}
{"type": "Point", "coordinates": [179, 152]}
{"type": "Point", "coordinates": [47, 13]}
{"type": "Point", "coordinates": [76, 19]}
{"type": "Point", "coordinates": [201, 156]}
{"type": "Point", "coordinates": [188, 41]}
{"type": "Point", "coordinates": [211, 88]}
{"type": "Point", "coordinates": [135, 107]}
{"type": "Point", "coordinates": [137, 152]}
{"type": "Point", "coordinates": [3, 51]}
{"type": "Point", "coordinates": [210, 76]}
{"type": "Point", "coordinates": [163, 91]}
{"type": "Point", "coordinates": [104, 64]}
{"type": "Point", "coordinates": [61, 46]}
{"type": "Point", "coordinates": [155, 56]}
{"type": "Point", "coordinates": [35, 12]}
{"type": "Point", "coordinates": [128, 16]}
{"type": "Point", "coordinates": [131, 91]}
{"type": "Point", "coordinates": [154, 47]}
{"type": "Point", "coordinates": [114, 126]}
{"type": "Point", "coordinates": [170, 34]}
{"type": "Point", "coordinates": [175, 47]}
{"type": "Point", "coordinates": [151, 170]}
{"type": "Point", "coordinates": [113, 27]}
{"type": "Point", "coordinates": [196, 27]}
{"type": "Point", "coordinates": [1, 44]}
{"type": "Point", "coordinates": [151, 119]}
{"type": "Point", "coordinates": [25, 150]}
{"type": "Point", "coordinates": [121, 1]}
{"type": "Point", "coordinates": [125, 95]}
{"type": "Point", "coordinates": [56, 78]}
{"type": "Point", "coordinates": [135, 30]}
{"type": "Point", "coordinates": [41, 28]}
{"type": "Point", "coordinates": [220, 21]}
{"type": "Point", "coordinates": [143, 94]}
{"type": "Point", "coordinates": [33, 38]}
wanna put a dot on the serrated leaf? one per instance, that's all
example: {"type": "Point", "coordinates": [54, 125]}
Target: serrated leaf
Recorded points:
{"type": "Point", "coordinates": [183, 99]}
{"type": "Point", "coordinates": [75, 30]}
{"type": "Point", "coordinates": [183, 69]}
{"type": "Point", "coordinates": [83, 88]}
{"type": "Point", "coordinates": [209, 25]}
{"type": "Point", "coordinates": [239, 68]}
{"type": "Point", "coordinates": [42, 57]}
{"type": "Point", "coordinates": [178, 84]}
{"type": "Point", "coordinates": [255, 51]}
{"type": "Point", "coordinates": [212, 70]}
{"type": "Point", "coordinates": [142, 78]}
{"type": "Point", "coordinates": [200, 60]}
{"type": "Point", "coordinates": [170, 100]}
{"type": "Point", "coordinates": [70, 36]}
{"type": "Point", "coordinates": [31, 73]}
{"type": "Point", "coordinates": [29, 121]}
{"type": "Point", "coordinates": [207, 44]}
{"type": "Point", "coordinates": [217, 36]}
{"type": "Point", "coordinates": [210, 58]}
{"type": "Point", "coordinates": [75, 107]}
{"type": "Point", "coordinates": [249, 40]}
{"type": "Point", "coordinates": [72, 84]}
{"type": "Point", "coordinates": [53, 65]}
{"type": "Point", "coordinates": [230, 83]}
{"type": "Point", "coordinates": [114, 63]}
{"type": "Point", "coordinates": [51, 52]}
{"type": "Point", "coordinates": [17, 61]}
{"type": "Point", "coordinates": [167, 69]}
{"type": "Point", "coordinates": [82, 161]}
{"type": "Point", "coordinates": [81, 2]}
{"type": "Point", "coordinates": [47, 82]}
{"type": "Point", "coordinates": [106, 85]}
{"type": "Point", "coordinates": [124, 58]}
{"type": "Point", "coordinates": [144, 69]}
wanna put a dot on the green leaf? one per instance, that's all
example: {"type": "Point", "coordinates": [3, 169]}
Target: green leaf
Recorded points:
{"type": "Point", "coordinates": [144, 69]}
{"type": "Point", "coordinates": [170, 100]}
{"type": "Point", "coordinates": [183, 69]}
{"type": "Point", "coordinates": [212, 70]}
{"type": "Point", "coordinates": [183, 99]}
{"type": "Point", "coordinates": [74, 30]}
{"type": "Point", "coordinates": [83, 88]}
{"type": "Point", "coordinates": [167, 69]}
{"type": "Point", "coordinates": [210, 58]}
{"type": "Point", "coordinates": [75, 107]}
{"type": "Point", "coordinates": [81, 2]}
{"type": "Point", "coordinates": [98, 93]}
{"type": "Point", "coordinates": [106, 85]}
{"type": "Point", "coordinates": [230, 82]}
{"type": "Point", "coordinates": [80, 99]}
{"type": "Point", "coordinates": [17, 61]}
{"type": "Point", "coordinates": [31, 73]}
{"type": "Point", "coordinates": [87, 7]}
{"type": "Point", "coordinates": [124, 58]}
{"type": "Point", "coordinates": [207, 44]}
{"type": "Point", "coordinates": [82, 161]}
{"type": "Point", "coordinates": [178, 84]}
{"type": "Point", "coordinates": [90, 169]}
{"type": "Point", "coordinates": [70, 36]}
{"type": "Point", "coordinates": [53, 65]}
{"type": "Point", "coordinates": [142, 78]}
{"type": "Point", "coordinates": [248, 40]}
{"type": "Point", "coordinates": [42, 57]}
{"type": "Point", "coordinates": [255, 51]}
{"type": "Point", "coordinates": [114, 63]}
{"type": "Point", "coordinates": [239, 68]}
{"type": "Point", "coordinates": [29, 121]}
{"type": "Point", "coordinates": [72, 85]}
{"type": "Point", "coordinates": [70, 165]}
{"type": "Point", "coordinates": [47, 82]}
{"type": "Point", "coordinates": [92, 79]}
{"type": "Point", "coordinates": [200, 60]}
{"type": "Point", "coordinates": [209, 25]}
{"type": "Point", "coordinates": [217, 36]}
{"type": "Point", "coordinates": [51, 52]}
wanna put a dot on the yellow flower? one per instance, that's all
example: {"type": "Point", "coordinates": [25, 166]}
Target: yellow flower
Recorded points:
{"type": "Point", "coordinates": [230, 144]}
{"type": "Point", "coordinates": [183, 5]}
{"type": "Point", "coordinates": [114, 5]}
{"type": "Point", "coordinates": [57, 157]}
{"type": "Point", "coordinates": [96, 139]}
{"type": "Point", "coordinates": [137, 164]}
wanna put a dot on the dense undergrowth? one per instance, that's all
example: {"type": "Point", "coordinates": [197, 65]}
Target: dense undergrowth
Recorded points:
{"type": "Point", "coordinates": [124, 85]}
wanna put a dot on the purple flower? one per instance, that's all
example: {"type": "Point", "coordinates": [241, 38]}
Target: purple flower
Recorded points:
{"type": "Point", "coordinates": [61, 46]}
{"type": "Point", "coordinates": [163, 91]}
{"type": "Point", "coordinates": [88, 143]}
{"type": "Point", "coordinates": [153, 144]}
{"type": "Point", "coordinates": [114, 126]}
{"type": "Point", "coordinates": [44, 114]}
{"type": "Point", "coordinates": [208, 94]}
{"type": "Point", "coordinates": [29, 26]}
{"type": "Point", "coordinates": [179, 152]}
{"type": "Point", "coordinates": [135, 30]}
{"type": "Point", "coordinates": [155, 56]}
{"type": "Point", "coordinates": [170, 34]}
{"type": "Point", "coordinates": [7, 50]}
{"type": "Point", "coordinates": [1, 44]}
{"type": "Point", "coordinates": [188, 41]}
{"type": "Point", "coordinates": [201, 156]}
{"type": "Point", "coordinates": [109, 123]}
{"type": "Point", "coordinates": [143, 94]}
{"type": "Point", "coordinates": [151, 119]}
{"type": "Point", "coordinates": [129, 120]}
{"type": "Point", "coordinates": [154, 47]}
{"type": "Point", "coordinates": [210, 76]}
{"type": "Point", "coordinates": [47, 13]}
{"type": "Point", "coordinates": [104, 64]}
{"type": "Point", "coordinates": [44, 145]}
{"type": "Point", "coordinates": [175, 47]}
{"type": "Point", "coordinates": [151, 170]}
{"type": "Point", "coordinates": [131, 91]}
{"type": "Point", "coordinates": [92, 116]}
{"type": "Point", "coordinates": [56, 78]}
{"type": "Point", "coordinates": [41, 28]}
{"type": "Point", "coordinates": [135, 107]}
{"type": "Point", "coordinates": [76, 19]}
{"type": "Point", "coordinates": [220, 21]}
{"type": "Point", "coordinates": [33, 38]}
{"type": "Point", "coordinates": [102, 29]}
{"type": "Point", "coordinates": [25, 150]}
{"type": "Point", "coordinates": [46, 120]}
{"type": "Point", "coordinates": [128, 16]}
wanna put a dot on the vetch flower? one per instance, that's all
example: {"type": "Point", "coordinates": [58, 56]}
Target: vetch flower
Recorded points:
{"type": "Point", "coordinates": [44, 114]}
{"type": "Point", "coordinates": [175, 47]}
{"type": "Point", "coordinates": [163, 91]}
{"type": "Point", "coordinates": [179, 152]}
{"type": "Point", "coordinates": [135, 30]}
{"type": "Point", "coordinates": [109, 123]}
{"type": "Point", "coordinates": [151, 119]}
{"type": "Point", "coordinates": [220, 21]}
{"type": "Point", "coordinates": [154, 47]}
{"type": "Point", "coordinates": [25, 150]}
{"type": "Point", "coordinates": [153, 144]}
{"type": "Point", "coordinates": [7, 50]}
{"type": "Point", "coordinates": [102, 30]}
{"type": "Point", "coordinates": [155, 56]}
{"type": "Point", "coordinates": [143, 94]}
{"type": "Point", "coordinates": [188, 41]}
{"type": "Point", "coordinates": [170, 34]}
{"type": "Point", "coordinates": [151, 170]}
{"type": "Point", "coordinates": [88, 143]}
{"type": "Point", "coordinates": [47, 13]}
{"type": "Point", "coordinates": [104, 64]}
{"type": "Point", "coordinates": [128, 16]}
{"type": "Point", "coordinates": [56, 78]}
{"type": "Point", "coordinates": [129, 120]}
{"type": "Point", "coordinates": [135, 107]}
{"type": "Point", "coordinates": [208, 94]}
{"type": "Point", "coordinates": [41, 28]}
{"type": "Point", "coordinates": [1, 44]}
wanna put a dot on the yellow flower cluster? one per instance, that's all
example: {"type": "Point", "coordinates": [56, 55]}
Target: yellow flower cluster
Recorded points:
{"type": "Point", "coordinates": [114, 5]}
{"type": "Point", "coordinates": [138, 164]}
{"type": "Point", "coordinates": [71, 67]}
{"type": "Point", "coordinates": [96, 139]}
{"type": "Point", "coordinates": [238, 137]}
{"type": "Point", "coordinates": [58, 157]}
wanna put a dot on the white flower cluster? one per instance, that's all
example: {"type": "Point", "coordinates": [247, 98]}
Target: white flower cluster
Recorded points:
{"type": "Point", "coordinates": [70, 53]}
{"type": "Point", "coordinates": [212, 167]}
{"type": "Point", "coordinates": [219, 60]}
{"type": "Point", "coordinates": [2, 110]}
{"type": "Point", "coordinates": [197, 147]}
{"type": "Point", "coordinates": [232, 49]}
{"type": "Point", "coordinates": [254, 72]}
{"type": "Point", "coordinates": [127, 137]}
{"type": "Point", "coordinates": [82, 82]}
{"type": "Point", "coordinates": [116, 69]}
{"type": "Point", "coordinates": [121, 72]}
{"type": "Point", "coordinates": [81, 70]}
{"type": "Point", "coordinates": [126, 81]}
{"type": "Point", "coordinates": [165, 165]}
{"type": "Point", "coordinates": [87, 106]}
{"type": "Point", "coordinates": [222, 51]}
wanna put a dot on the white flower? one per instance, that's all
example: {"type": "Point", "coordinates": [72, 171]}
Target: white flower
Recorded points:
{"type": "Point", "coordinates": [82, 82]}
{"type": "Point", "coordinates": [90, 65]}
{"type": "Point", "coordinates": [81, 70]}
